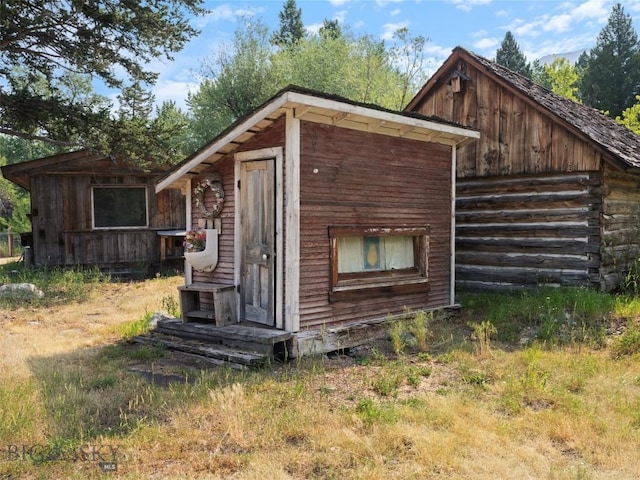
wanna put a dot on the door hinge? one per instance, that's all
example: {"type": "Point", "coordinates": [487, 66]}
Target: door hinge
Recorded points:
{"type": "Point", "coordinates": [238, 184]}
{"type": "Point", "coordinates": [238, 288]}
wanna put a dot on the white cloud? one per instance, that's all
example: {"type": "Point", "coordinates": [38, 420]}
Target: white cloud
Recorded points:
{"type": "Point", "coordinates": [171, 90]}
{"type": "Point", "coordinates": [226, 13]}
{"type": "Point", "coordinates": [221, 12]}
{"type": "Point", "coordinates": [314, 28]}
{"type": "Point", "coordinates": [467, 5]}
{"type": "Point", "coordinates": [434, 52]}
{"type": "Point", "coordinates": [395, 13]}
{"type": "Point", "coordinates": [338, 3]}
{"type": "Point", "coordinates": [567, 17]}
{"type": "Point", "coordinates": [384, 3]}
{"type": "Point", "coordinates": [558, 23]}
{"type": "Point", "coordinates": [390, 28]}
{"type": "Point", "coordinates": [340, 16]}
{"type": "Point", "coordinates": [485, 43]}
{"type": "Point", "coordinates": [591, 9]}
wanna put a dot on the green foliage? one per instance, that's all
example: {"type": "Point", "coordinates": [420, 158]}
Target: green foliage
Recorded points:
{"type": "Point", "coordinates": [565, 315]}
{"type": "Point", "coordinates": [408, 53]}
{"type": "Point", "coordinates": [136, 327]}
{"type": "Point", "coordinates": [630, 284]}
{"type": "Point", "coordinates": [171, 305]}
{"type": "Point", "coordinates": [628, 343]}
{"type": "Point", "coordinates": [481, 334]}
{"type": "Point", "coordinates": [419, 328]}
{"type": "Point", "coordinates": [397, 332]}
{"type": "Point", "coordinates": [115, 42]}
{"type": "Point", "coordinates": [510, 56]}
{"type": "Point", "coordinates": [236, 81]}
{"type": "Point", "coordinates": [291, 27]}
{"type": "Point", "coordinates": [242, 76]}
{"type": "Point", "coordinates": [148, 352]}
{"type": "Point", "coordinates": [14, 206]}
{"type": "Point", "coordinates": [630, 117]}
{"type": "Point", "coordinates": [388, 380]}
{"type": "Point", "coordinates": [563, 78]}
{"type": "Point", "coordinates": [20, 409]}
{"type": "Point", "coordinates": [612, 68]}
{"type": "Point", "coordinates": [370, 412]}
{"type": "Point", "coordinates": [58, 285]}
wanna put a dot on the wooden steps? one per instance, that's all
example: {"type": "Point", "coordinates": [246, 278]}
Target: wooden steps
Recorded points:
{"type": "Point", "coordinates": [239, 345]}
{"type": "Point", "coordinates": [214, 354]}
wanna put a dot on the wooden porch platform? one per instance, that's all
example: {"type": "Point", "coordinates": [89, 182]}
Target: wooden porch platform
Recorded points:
{"type": "Point", "coordinates": [243, 345]}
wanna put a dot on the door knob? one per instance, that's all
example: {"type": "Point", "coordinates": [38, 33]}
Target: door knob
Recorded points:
{"type": "Point", "coordinates": [265, 256]}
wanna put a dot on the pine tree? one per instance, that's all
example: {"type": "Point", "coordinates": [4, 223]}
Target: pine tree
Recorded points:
{"type": "Point", "coordinates": [612, 69]}
{"type": "Point", "coordinates": [510, 56]}
{"type": "Point", "coordinates": [109, 40]}
{"type": "Point", "coordinates": [330, 29]}
{"type": "Point", "coordinates": [291, 26]}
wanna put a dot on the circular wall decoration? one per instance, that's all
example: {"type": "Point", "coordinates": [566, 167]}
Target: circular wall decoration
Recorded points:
{"type": "Point", "coordinates": [214, 183]}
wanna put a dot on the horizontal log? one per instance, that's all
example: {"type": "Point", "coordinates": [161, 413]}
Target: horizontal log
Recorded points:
{"type": "Point", "coordinates": [560, 200]}
{"type": "Point", "coordinates": [622, 206]}
{"type": "Point", "coordinates": [529, 245]}
{"type": "Point", "coordinates": [481, 286]}
{"type": "Point", "coordinates": [559, 230]}
{"type": "Point", "coordinates": [575, 178]}
{"type": "Point", "coordinates": [612, 223]}
{"type": "Point", "coordinates": [528, 215]}
{"type": "Point", "coordinates": [525, 276]}
{"type": "Point", "coordinates": [499, 259]}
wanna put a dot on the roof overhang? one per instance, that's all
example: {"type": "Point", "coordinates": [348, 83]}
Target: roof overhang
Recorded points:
{"type": "Point", "coordinates": [318, 109]}
{"type": "Point", "coordinates": [20, 173]}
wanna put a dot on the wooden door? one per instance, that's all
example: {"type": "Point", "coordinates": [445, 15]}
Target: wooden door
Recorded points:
{"type": "Point", "coordinates": [257, 228]}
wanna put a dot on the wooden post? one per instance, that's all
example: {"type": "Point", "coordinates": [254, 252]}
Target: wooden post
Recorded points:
{"type": "Point", "coordinates": [10, 240]}
{"type": "Point", "coordinates": [27, 256]}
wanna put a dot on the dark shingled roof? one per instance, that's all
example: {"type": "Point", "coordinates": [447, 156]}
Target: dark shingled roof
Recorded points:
{"type": "Point", "coordinates": [620, 143]}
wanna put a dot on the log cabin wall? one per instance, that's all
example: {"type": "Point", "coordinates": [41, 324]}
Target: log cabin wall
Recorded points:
{"type": "Point", "coordinates": [528, 198]}
{"type": "Point", "coordinates": [61, 208]}
{"type": "Point", "coordinates": [352, 178]}
{"type": "Point", "coordinates": [620, 225]}
{"type": "Point", "coordinates": [518, 230]}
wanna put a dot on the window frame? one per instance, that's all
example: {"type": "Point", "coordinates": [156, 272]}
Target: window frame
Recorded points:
{"type": "Point", "coordinates": [119, 227]}
{"type": "Point", "coordinates": [346, 286]}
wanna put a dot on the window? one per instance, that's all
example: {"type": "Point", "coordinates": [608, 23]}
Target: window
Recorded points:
{"type": "Point", "coordinates": [374, 260]}
{"type": "Point", "coordinates": [119, 207]}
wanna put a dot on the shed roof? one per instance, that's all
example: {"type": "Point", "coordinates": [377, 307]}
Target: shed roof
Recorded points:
{"type": "Point", "coordinates": [78, 162]}
{"type": "Point", "coordinates": [617, 143]}
{"type": "Point", "coordinates": [317, 107]}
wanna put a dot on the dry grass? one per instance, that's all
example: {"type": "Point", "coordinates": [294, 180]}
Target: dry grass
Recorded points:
{"type": "Point", "coordinates": [68, 382]}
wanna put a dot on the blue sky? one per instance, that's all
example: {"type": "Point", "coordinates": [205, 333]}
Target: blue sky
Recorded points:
{"type": "Point", "coordinates": [541, 28]}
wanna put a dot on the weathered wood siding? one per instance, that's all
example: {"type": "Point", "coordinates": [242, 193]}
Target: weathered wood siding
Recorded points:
{"type": "Point", "coordinates": [528, 192]}
{"type": "Point", "coordinates": [514, 231]}
{"type": "Point", "coordinates": [224, 271]}
{"type": "Point", "coordinates": [365, 179]}
{"type": "Point", "coordinates": [515, 137]}
{"type": "Point", "coordinates": [620, 225]}
{"type": "Point", "coordinates": [61, 210]}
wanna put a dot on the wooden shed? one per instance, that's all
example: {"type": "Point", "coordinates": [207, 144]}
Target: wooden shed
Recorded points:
{"type": "Point", "coordinates": [550, 194]}
{"type": "Point", "coordinates": [330, 216]}
{"type": "Point", "coordinates": [89, 210]}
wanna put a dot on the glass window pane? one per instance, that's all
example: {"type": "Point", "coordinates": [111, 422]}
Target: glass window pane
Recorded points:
{"type": "Point", "coordinates": [350, 256]}
{"type": "Point", "coordinates": [367, 254]}
{"type": "Point", "coordinates": [398, 252]}
{"type": "Point", "coordinates": [119, 207]}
